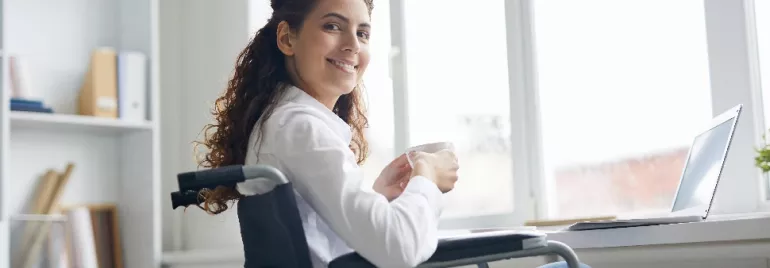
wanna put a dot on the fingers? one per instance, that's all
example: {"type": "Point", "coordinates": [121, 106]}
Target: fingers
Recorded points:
{"type": "Point", "coordinates": [414, 154]}
{"type": "Point", "coordinates": [400, 161]}
{"type": "Point", "coordinates": [403, 178]}
{"type": "Point", "coordinates": [404, 172]}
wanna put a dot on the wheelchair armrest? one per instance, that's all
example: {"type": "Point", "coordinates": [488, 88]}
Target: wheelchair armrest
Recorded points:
{"type": "Point", "coordinates": [227, 176]}
{"type": "Point", "coordinates": [474, 245]}
{"type": "Point", "coordinates": [465, 249]}
{"type": "Point", "coordinates": [190, 183]}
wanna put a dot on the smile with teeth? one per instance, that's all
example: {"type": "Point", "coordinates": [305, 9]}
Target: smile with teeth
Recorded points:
{"type": "Point", "coordinates": [343, 66]}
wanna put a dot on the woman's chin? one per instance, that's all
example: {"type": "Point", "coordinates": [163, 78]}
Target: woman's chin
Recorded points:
{"type": "Point", "coordinates": [340, 87]}
{"type": "Point", "coordinates": [345, 89]}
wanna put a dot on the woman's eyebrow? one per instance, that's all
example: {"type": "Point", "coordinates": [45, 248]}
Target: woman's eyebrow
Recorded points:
{"type": "Point", "coordinates": [345, 19]}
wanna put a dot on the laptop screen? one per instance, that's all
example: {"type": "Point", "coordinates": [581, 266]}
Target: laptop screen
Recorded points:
{"type": "Point", "coordinates": [701, 173]}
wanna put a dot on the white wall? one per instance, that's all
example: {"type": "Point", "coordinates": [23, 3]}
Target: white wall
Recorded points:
{"type": "Point", "coordinates": [200, 40]}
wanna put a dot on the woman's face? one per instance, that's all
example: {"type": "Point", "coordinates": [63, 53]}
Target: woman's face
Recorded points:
{"type": "Point", "coordinates": [331, 51]}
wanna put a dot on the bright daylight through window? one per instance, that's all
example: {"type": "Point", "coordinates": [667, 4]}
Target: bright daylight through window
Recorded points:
{"type": "Point", "coordinates": [379, 95]}
{"type": "Point", "coordinates": [458, 91]}
{"type": "Point", "coordinates": [613, 77]}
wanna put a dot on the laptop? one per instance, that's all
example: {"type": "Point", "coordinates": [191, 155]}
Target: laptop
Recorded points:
{"type": "Point", "coordinates": [698, 183]}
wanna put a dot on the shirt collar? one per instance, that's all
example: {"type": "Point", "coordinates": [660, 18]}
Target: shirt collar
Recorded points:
{"type": "Point", "coordinates": [297, 95]}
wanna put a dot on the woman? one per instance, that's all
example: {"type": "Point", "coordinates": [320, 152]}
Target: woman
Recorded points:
{"type": "Point", "coordinates": [295, 103]}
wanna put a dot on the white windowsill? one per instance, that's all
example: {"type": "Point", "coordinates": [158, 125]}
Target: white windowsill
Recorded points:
{"type": "Point", "coordinates": [717, 228]}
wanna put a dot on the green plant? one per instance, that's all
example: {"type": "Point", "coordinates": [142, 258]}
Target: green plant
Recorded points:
{"type": "Point", "coordinates": [762, 160]}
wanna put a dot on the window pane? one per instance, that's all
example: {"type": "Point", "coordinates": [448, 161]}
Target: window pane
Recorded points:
{"type": "Point", "coordinates": [379, 94]}
{"type": "Point", "coordinates": [458, 91]}
{"type": "Point", "coordinates": [259, 14]}
{"type": "Point", "coordinates": [762, 17]}
{"type": "Point", "coordinates": [762, 20]}
{"type": "Point", "coordinates": [624, 85]}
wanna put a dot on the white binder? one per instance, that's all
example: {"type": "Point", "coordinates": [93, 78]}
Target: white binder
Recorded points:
{"type": "Point", "coordinates": [132, 86]}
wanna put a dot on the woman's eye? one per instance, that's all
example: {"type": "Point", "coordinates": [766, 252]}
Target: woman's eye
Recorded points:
{"type": "Point", "coordinates": [332, 27]}
{"type": "Point", "coordinates": [364, 35]}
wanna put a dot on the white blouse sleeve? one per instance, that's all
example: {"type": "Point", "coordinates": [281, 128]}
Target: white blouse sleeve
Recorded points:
{"type": "Point", "coordinates": [322, 168]}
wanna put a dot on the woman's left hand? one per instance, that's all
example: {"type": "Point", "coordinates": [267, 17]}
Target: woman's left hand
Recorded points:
{"type": "Point", "coordinates": [393, 178]}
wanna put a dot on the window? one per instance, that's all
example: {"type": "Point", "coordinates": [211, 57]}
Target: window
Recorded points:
{"type": "Point", "coordinates": [761, 28]}
{"type": "Point", "coordinates": [458, 91]}
{"type": "Point", "coordinates": [379, 95]}
{"type": "Point", "coordinates": [613, 78]}
{"type": "Point", "coordinates": [259, 13]}
{"type": "Point", "coordinates": [762, 22]}
{"type": "Point", "coordinates": [611, 81]}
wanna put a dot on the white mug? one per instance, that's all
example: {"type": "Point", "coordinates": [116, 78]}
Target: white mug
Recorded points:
{"type": "Point", "coordinates": [429, 148]}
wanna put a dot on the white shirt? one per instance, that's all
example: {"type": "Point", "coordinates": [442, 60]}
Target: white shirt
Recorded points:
{"type": "Point", "coordinates": [309, 144]}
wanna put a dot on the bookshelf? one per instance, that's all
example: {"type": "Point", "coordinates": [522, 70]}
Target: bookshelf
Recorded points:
{"type": "Point", "coordinates": [116, 161]}
{"type": "Point", "coordinates": [75, 123]}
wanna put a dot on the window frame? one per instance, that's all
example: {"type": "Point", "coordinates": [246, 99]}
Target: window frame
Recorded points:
{"type": "Point", "coordinates": [734, 78]}
{"type": "Point", "coordinates": [757, 88]}
{"type": "Point", "coordinates": [523, 135]}
{"type": "Point", "coordinates": [761, 124]}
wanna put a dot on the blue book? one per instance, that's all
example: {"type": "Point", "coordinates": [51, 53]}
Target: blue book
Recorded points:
{"type": "Point", "coordinates": [27, 102]}
{"type": "Point", "coordinates": [29, 106]}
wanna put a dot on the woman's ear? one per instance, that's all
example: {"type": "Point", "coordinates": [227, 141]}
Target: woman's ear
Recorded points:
{"type": "Point", "coordinates": [285, 39]}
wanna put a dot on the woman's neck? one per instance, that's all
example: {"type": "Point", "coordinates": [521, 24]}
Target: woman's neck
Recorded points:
{"type": "Point", "coordinates": [327, 100]}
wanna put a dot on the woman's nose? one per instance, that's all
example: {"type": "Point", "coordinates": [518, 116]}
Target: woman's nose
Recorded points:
{"type": "Point", "coordinates": [350, 44]}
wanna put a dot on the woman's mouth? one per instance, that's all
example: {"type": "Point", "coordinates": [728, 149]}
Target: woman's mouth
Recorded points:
{"type": "Point", "coordinates": [343, 66]}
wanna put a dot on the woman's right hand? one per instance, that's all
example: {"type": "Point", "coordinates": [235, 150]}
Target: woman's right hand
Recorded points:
{"type": "Point", "coordinates": [441, 167]}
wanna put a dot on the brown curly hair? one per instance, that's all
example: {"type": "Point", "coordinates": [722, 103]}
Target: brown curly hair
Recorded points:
{"type": "Point", "coordinates": [257, 83]}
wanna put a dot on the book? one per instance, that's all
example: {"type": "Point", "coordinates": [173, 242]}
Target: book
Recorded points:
{"type": "Point", "coordinates": [80, 230]}
{"type": "Point", "coordinates": [19, 76]}
{"type": "Point", "coordinates": [45, 202]}
{"type": "Point", "coordinates": [28, 105]}
{"type": "Point", "coordinates": [104, 233]}
{"type": "Point", "coordinates": [30, 102]}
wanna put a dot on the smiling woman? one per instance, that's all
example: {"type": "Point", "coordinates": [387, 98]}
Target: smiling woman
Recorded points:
{"type": "Point", "coordinates": [295, 103]}
{"type": "Point", "coordinates": [342, 41]}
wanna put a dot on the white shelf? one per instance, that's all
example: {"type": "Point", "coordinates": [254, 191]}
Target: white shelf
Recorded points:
{"type": "Point", "coordinates": [67, 122]}
{"type": "Point", "coordinates": [39, 217]}
{"type": "Point", "coordinates": [203, 257]}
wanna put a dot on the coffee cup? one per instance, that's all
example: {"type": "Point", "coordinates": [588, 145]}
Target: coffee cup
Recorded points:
{"type": "Point", "coordinates": [429, 148]}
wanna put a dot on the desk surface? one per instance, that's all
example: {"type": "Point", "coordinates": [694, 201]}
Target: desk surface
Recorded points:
{"type": "Point", "coordinates": [717, 228]}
